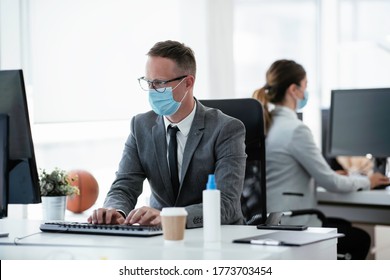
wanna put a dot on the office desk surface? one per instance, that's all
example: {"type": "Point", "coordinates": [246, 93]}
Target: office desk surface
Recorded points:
{"type": "Point", "coordinates": [369, 207]}
{"type": "Point", "coordinates": [26, 241]}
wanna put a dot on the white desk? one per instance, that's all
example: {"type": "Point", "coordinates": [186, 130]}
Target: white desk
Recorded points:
{"type": "Point", "coordinates": [42, 245]}
{"type": "Point", "coordinates": [368, 207]}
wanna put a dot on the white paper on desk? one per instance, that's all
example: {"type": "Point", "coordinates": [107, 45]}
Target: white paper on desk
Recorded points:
{"type": "Point", "coordinates": [290, 238]}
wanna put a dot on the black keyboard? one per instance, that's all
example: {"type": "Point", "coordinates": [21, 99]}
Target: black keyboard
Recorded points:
{"type": "Point", "coordinates": [381, 187]}
{"type": "Point", "coordinates": [119, 230]}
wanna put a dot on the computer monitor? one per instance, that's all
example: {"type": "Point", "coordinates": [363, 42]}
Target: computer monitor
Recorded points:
{"type": "Point", "coordinates": [359, 122]}
{"type": "Point", "coordinates": [332, 161]}
{"type": "Point", "coordinates": [20, 169]}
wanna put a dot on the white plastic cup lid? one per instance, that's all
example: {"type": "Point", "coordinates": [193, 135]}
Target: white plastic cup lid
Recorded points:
{"type": "Point", "coordinates": [173, 211]}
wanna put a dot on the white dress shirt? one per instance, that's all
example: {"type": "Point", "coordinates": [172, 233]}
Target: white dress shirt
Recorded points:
{"type": "Point", "coordinates": [182, 135]}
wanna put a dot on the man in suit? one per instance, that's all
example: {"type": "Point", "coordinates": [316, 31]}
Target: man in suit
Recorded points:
{"type": "Point", "coordinates": [207, 142]}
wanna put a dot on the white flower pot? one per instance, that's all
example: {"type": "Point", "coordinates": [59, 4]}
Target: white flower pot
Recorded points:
{"type": "Point", "coordinates": [53, 208]}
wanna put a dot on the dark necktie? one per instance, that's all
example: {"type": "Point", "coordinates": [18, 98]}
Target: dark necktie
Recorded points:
{"type": "Point", "coordinates": [172, 158]}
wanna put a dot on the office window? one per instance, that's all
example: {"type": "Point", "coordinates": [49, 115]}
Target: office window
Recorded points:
{"type": "Point", "coordinates": [355, 45]}
{"type": "Point", "coordinates": [86, 56]}
{"type": "Point", "coordinates": [265, 31]}
{"type": "Point", "coordinates": [364, 45]}
{"type": "Point", "coordinates": [340, 43]}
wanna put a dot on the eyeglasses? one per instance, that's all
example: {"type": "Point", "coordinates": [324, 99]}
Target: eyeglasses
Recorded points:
{"type": "Point", "coordinates": [159, 86]}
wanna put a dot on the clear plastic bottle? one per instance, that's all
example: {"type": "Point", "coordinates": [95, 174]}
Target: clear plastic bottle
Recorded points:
{"type": "Point", "coordinates": [211, 212]}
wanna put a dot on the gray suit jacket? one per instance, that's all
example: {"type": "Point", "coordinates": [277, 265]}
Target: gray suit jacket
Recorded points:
{"type": "Point", "coordinates": [293, 160]}
{"type": "Point", "coordinates": [215, 145]}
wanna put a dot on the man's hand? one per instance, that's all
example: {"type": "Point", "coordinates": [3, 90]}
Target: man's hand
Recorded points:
{"type": "Point", "coordinates": [106, 216]}
{"type": "Point", "coordinates": [144, 216]}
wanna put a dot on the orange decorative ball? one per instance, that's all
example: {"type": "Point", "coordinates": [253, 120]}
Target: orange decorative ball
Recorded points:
{"type": "Point", "coordinates": [89, 191]}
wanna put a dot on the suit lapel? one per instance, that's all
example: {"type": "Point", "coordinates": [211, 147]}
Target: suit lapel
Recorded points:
{"type": "Point", "coordinates": [194, 137]}
{"type": "Point", "coordinates": [160, 150]}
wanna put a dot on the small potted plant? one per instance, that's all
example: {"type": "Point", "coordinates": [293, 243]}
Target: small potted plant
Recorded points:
{"type": "Point", "coordinates": [55, 187]}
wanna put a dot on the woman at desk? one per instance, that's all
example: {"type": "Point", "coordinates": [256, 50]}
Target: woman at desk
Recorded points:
{"type": "Point", "coordinates": [292, 158]}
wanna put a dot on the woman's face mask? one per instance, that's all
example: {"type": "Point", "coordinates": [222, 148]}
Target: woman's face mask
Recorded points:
{"type": "Point", "coordinates": [302, 102]}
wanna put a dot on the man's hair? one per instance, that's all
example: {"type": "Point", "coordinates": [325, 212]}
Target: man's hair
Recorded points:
{"type": "Point", "coordinates": [182, 55]}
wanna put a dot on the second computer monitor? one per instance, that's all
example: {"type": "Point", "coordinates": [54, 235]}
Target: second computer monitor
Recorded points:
{"type": "Point", "coordinates": [359, 121]}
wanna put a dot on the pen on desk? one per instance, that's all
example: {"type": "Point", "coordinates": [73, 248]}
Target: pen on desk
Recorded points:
{"type": "Point", "coordinates": [266, 242]}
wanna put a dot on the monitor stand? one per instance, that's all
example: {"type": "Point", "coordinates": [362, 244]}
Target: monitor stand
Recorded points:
{"type": "Point", "coordinates": [380, 165]}
{"type": "Point", "coordinates": [22, 191]}
{"type": "Point", "coordinates": [3, 165]}
{"type": "Point", "coordinates": [3, 169]}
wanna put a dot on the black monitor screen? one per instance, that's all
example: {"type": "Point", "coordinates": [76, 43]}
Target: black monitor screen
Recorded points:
{"type": "Point", "coordinates": [359, 123]}
{"type": "Point", "coordinates": [23, 184]}
{"type": "Point", "coordinates": [332, 161]}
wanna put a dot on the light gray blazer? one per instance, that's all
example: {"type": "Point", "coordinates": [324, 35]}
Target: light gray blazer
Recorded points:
{"type": "Point", "coordinates": [215, 145]}
{"type": "Point", "coordinates": [292, 162]}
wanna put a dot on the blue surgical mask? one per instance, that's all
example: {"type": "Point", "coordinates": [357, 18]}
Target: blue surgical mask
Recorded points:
{"type": "Point", "coordinates": [163, 103]}
{"type": "Point", "coordinates": [302, 102]}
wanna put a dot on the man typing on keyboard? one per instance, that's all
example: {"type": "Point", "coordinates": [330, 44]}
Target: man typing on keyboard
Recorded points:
{"type": "Point", "coordinates": [175, 147]}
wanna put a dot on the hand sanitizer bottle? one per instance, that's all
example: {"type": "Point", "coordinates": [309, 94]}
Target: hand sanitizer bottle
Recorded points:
{"type": "Point", "coordinates": [211, 212]}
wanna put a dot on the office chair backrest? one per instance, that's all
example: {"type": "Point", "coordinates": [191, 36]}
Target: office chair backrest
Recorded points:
{"type": "Point", "coordinates": [250, 112]}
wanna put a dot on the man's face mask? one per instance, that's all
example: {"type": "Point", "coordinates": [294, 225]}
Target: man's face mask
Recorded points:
{"type": "Point", "coordinates": [163, 103]}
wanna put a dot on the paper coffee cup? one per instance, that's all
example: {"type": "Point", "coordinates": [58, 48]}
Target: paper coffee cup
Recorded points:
{"type": "Point", "coordinates": [173, 220]}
